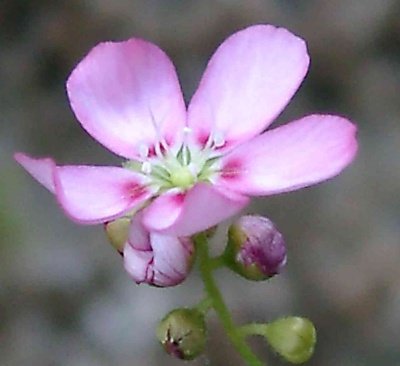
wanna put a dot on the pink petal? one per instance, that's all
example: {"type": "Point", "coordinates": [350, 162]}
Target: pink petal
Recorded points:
{"type": "Point", "coordinates": [139, 237]}
{"type": "Point", "coordinates": [137, 262]}
{"type": "Point", "coordinates": [89, 194]}
{"type": "Point", "coordinates": [127, 95]}
{"type": "Point", "coordinates": [247, 83]}
{"type": "Point", "coordinates": [40, 169]}
{"type": "Point", "coordinates": [156, 259]}
{"type": "Point", "coordinates": [299, 154]}
{"type": "Point", "coordinates": [172, 258]}
{"type": "Point", "coordinates": [184, 214]}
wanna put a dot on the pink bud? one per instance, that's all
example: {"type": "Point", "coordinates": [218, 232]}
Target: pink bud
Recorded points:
{"type": "Point", "coordinates": [256, 249]}
{"type": "Point", "coordinates": [156, 259]}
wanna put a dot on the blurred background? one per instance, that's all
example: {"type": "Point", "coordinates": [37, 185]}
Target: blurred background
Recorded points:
{"type": "Point", "coordinates": [64, 296]}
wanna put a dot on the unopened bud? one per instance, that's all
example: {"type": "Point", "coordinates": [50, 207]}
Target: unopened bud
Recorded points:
{"type": "Point", "coordinates": [293, 338]}
{"type": "Point", "coordinates": [256, 249]}
{"type": "Point", "coordinates": [117, 232]}
{"type": "Point", "coordinates": [183, 333]}
{"type": "Point", "coordinates": [156, 259]}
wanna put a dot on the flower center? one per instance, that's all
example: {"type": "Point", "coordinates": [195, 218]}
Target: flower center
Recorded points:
{"type": "Point", "coordinates": [181, 177]}
{"type": "Point", "coordinates": [182, 169]}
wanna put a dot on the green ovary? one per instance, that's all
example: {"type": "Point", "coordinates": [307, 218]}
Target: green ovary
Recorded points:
{"type": "Point", "coordinates": [182, 177]}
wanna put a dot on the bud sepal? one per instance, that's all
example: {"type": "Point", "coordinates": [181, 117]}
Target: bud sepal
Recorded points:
{"type": "Point", "coordinates": [182, 333]}
{"type": "Point", "coordinates": [293, 338]}
{"type": "Point", "coordinates": [256, 249]}
{"type": "Point", "coordinates": [118, 232]}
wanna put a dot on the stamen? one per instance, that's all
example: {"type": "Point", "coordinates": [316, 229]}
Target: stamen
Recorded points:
{"type": "Point", "coordinates": [157, 149]}
{"type": "Point", "coordinates": [160, 138]}
{"type": "Point", "coordinates": [165, 146]}
{"type": "Point", "coordinates": [215, 139]}
{"type": "Point", "coordinates": [209, 143]}
{"type": "Point", "coordinates": [143, 151]}
{"type": "Point", "coordinates": [218, 139]}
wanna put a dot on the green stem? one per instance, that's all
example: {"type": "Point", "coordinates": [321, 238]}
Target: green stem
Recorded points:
{"type": "Point", "coordinates": [216, 262]}
{"type": "Point", "coordinates": [253, 329]}
{"type": "Point", "coordinates": [204, 305]}
{"type": "Point", "coordinates": [218, 303]}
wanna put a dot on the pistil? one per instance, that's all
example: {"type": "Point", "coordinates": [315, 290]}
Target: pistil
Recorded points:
{"type": "Point", "coordinates": [182, 177]}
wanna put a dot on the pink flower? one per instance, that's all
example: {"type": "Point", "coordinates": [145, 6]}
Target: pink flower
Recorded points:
{"type": "Point", "coordinates": [147, 260]}
{"type": "Point", "coordinates": [187, 170]}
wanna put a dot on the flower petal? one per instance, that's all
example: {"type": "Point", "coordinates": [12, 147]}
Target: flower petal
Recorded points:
{"type": "Point", "coordinates": [40, 169]}
{"type": "Point", "coordinates": [93, 195]}
{"type": "Point", "coordinates": [172, 258]}
{"type": "Point", "coordinates": [127, 95]}
{"type": "Point", "coordinates": [290, 157]}
{"type": "Point", "coordinates": [137, 262]}
{"type": "Point", "coordinates": [156, 259]}
{"type": "Point", "coordinates": [89, 194]}
{"type": "Point", "coordinates": [184, 214]}
{"type": "Point", "coordinates": [248, 81]}
{"type": "Point", "coordinates": [139, 237]}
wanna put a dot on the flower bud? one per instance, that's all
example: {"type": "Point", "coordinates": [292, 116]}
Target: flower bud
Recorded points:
{"type": "Point", "coordinates": [155, 259]}
{"type": "Point", "coordinates": [117, 232]}
{"type": "Point", "coordinates": [182, 333]}
{"type": "Point", "coordinates": [293, 338]}
{"type": "Point", "coordinates": [256, 249]}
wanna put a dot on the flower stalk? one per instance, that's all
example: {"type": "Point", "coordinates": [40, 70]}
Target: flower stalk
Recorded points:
{"type": "Point", "coordinates": [217, 302]}
{"type": "Point", "coordinates": [204, 305]}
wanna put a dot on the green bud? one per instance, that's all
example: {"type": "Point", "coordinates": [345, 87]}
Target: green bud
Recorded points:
{"type": "Point", "coordinates": [293, 338]}
{"type": "Point", "coordinates": [117, 232]}
{"type": "Point", "coordinates": [182, 333]}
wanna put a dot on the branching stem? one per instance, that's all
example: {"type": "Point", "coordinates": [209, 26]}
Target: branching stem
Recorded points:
{"type": "Point", "coordinates": [207, 264]}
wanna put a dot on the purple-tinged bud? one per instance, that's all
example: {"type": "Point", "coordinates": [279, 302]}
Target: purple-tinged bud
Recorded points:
{"type": "Point", "coordinates": [183, 333]}
{"type": "Point", "coordinates": [155, 259]}
{"type": "Point", "coordinates": [293, 338]}
{"type": "Point", "coordinates": [256, 249]}
{"type": "Point", "coordinates": [117, 232]}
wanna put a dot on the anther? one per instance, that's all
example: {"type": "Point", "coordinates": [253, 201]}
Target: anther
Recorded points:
{"type": "Point", "coordinates": [146, 167]}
